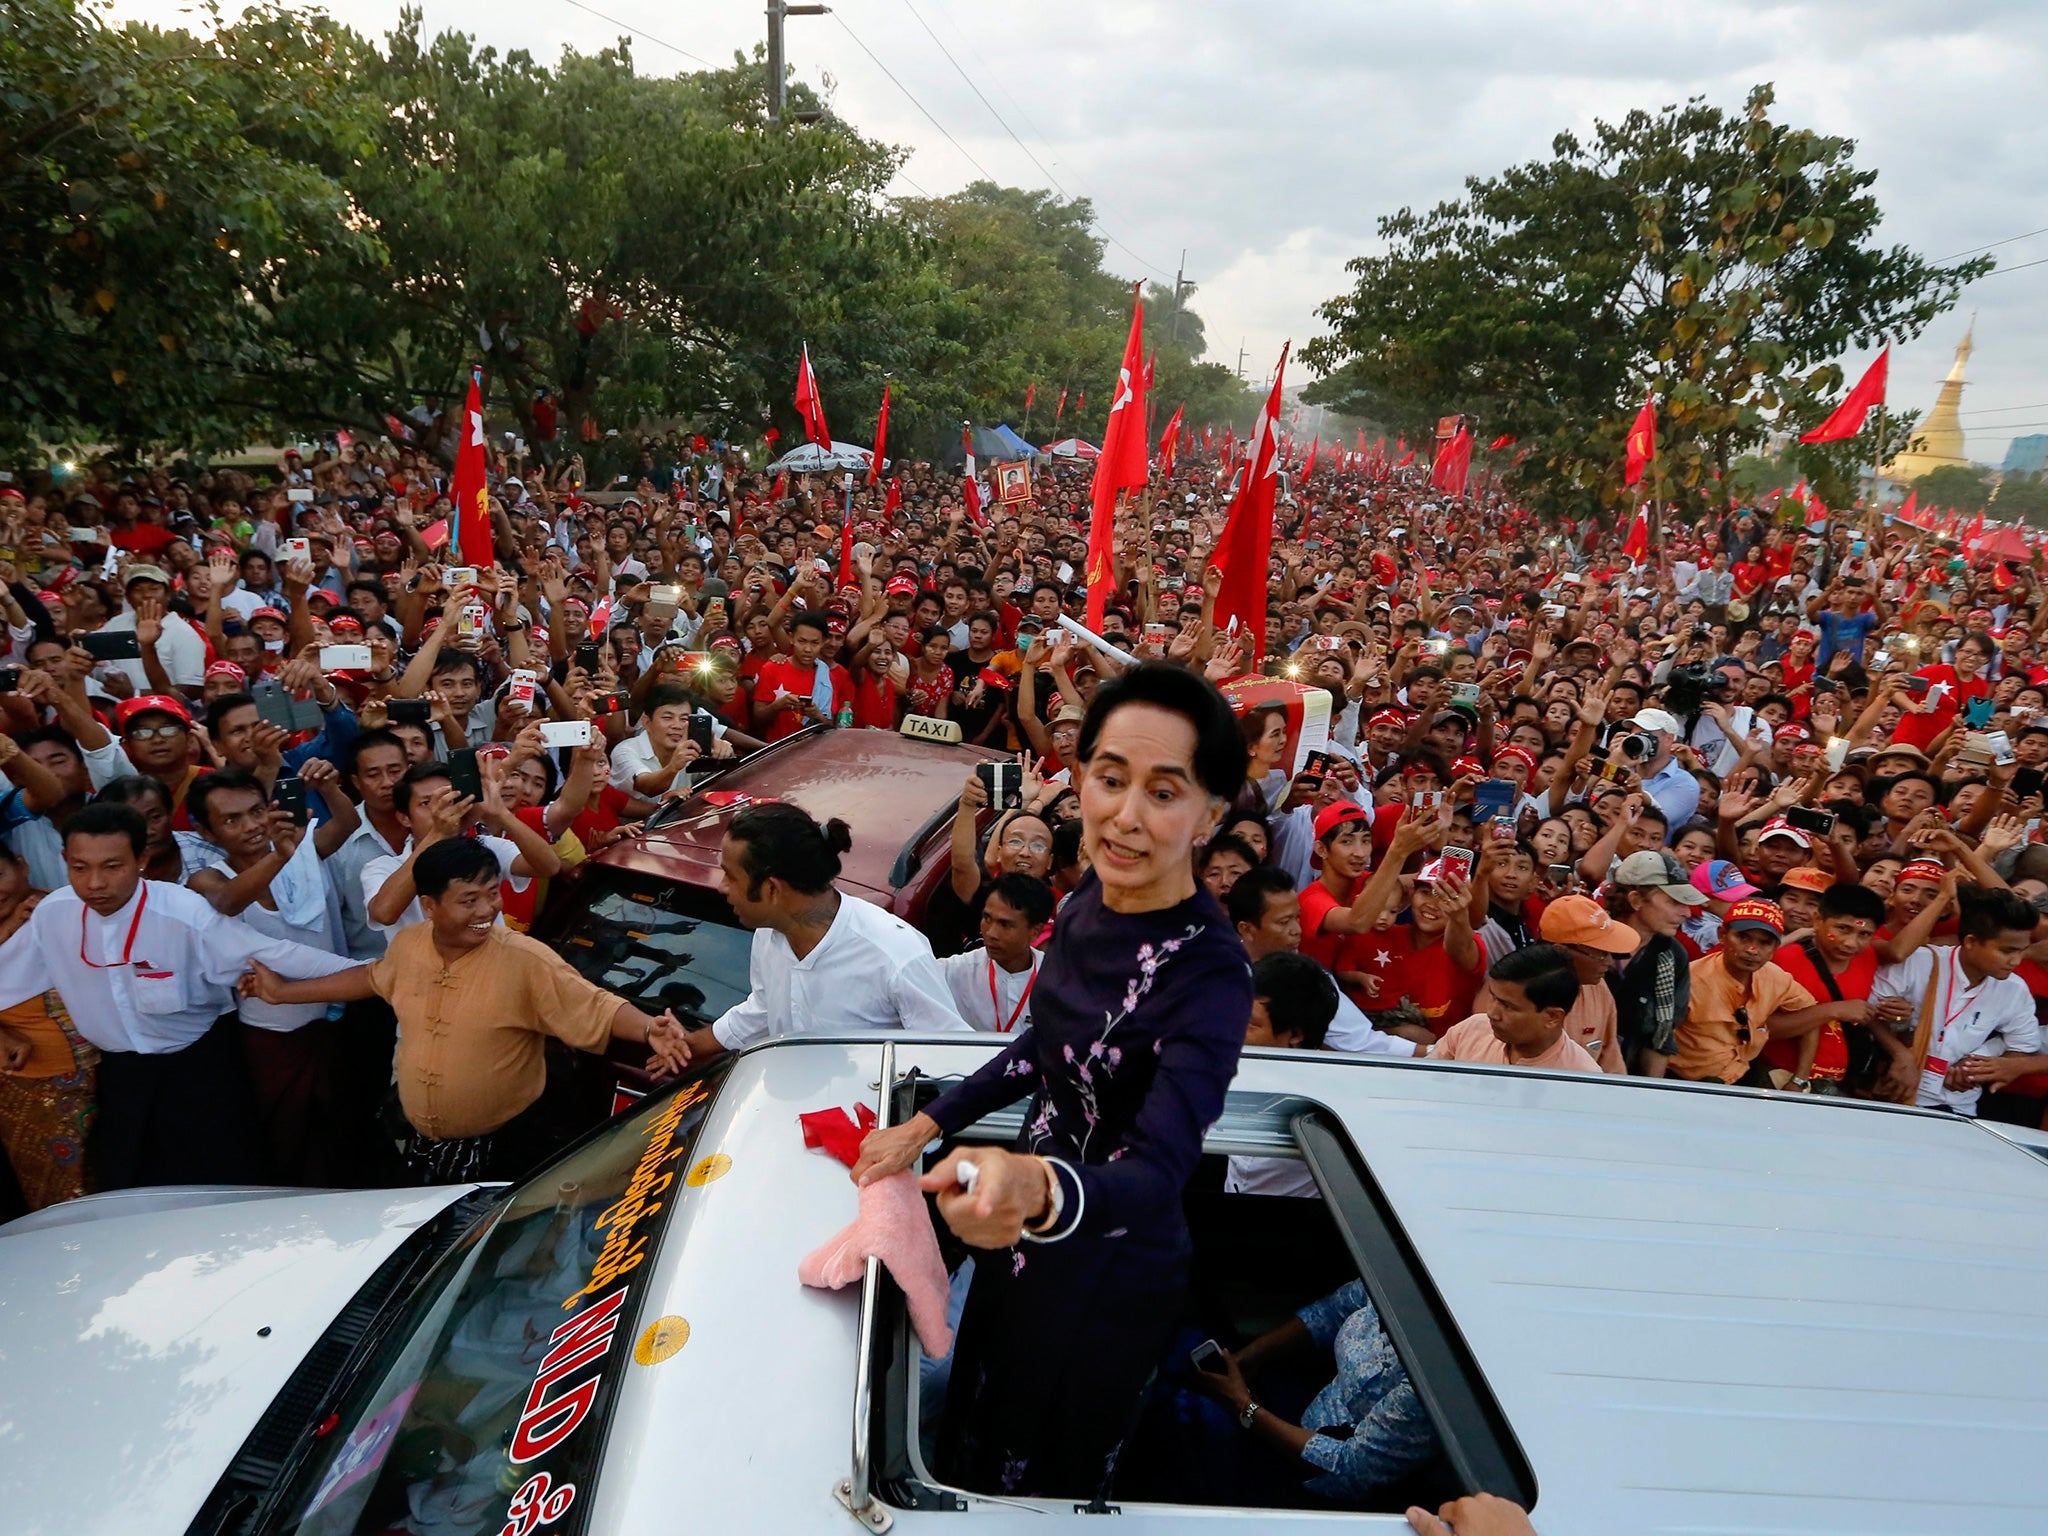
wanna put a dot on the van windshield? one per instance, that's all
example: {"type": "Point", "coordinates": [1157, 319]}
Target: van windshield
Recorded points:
{"type": "Point", "coordinates": [659, 942]}
{"type": "Point", "coordinates": [485, 1402]}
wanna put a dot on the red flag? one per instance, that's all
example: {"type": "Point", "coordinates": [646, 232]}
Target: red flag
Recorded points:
{"type": "Point", "coordinates": [1122, 467]}
{"type": "Point", "coordinates": [780, 488]}
{"type": "Point", "coordinates": [881, 437]}
{"type": "Point", "coordinates": [1030, 393]}
{"type": "Point", "coordinates": [1309, 467]}
{"type": "Point", "coordinates": [1245, 547]}
{"type": "Point", "coordinates": [472, 526]}
{"type": "Point", "coordinates": [971, 488]}
{"type": "Point", "coordinates": [1846, 420]}
{"type": "Point", "coordinates": [1906, 513]}
{"type": "Point", "coordinates": [894, 498]}
{"type": "Point", "coordinates": [1406, 459]}
{"type": "Point", "coordinates": [1169, 441]}
{"type": "Point", "coordinates": [1061, 409]}
{"type": "Point", "coordinates": [1361, 441]}
{"type": "Point", "coordinates": [846, 576]}
{"type": "Point", "coordinates": [772, 436]}
{"type": "Point", "coordinates": [1637, 544]}
{"type": "Point", "coordinates": [808, 405]}
{"type": "Point", "coordinates": [1453, 463]}
{"type": "Point", "coordinates": [1208, 439]}
{"type": "Point", "coordinates": [1151, 358]}
{"type": "Point", "coordinates": [1081, 400]}
{"type": "Point", "coordinates": [1642, 443]}
{"type": "Point", "coordinates": [1501, 442]}
{"type": "Point", "coordinates": [1975, 531]}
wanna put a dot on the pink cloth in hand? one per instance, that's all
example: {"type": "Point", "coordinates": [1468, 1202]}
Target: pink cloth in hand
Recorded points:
{"type": "Point", "coordinates": [895, 1226]}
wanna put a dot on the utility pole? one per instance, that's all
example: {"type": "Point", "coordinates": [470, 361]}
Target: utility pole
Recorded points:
{"type": "Point", "coordinates": [778, 89]}
{"type": "Point", "coordinates": [1180, 283]}
{"type": "Point", "coordinates": [1240, 359]}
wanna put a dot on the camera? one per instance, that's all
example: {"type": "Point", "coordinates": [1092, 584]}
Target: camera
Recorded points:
{"type": "Point", "coordinates": [1686, 689]}
{"type": "Point", "coordinates": [1638, 746]}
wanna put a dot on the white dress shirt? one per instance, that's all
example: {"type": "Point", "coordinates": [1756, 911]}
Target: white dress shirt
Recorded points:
{"type": "Point", "coordinates": [987, 996]}
{"type": "Point", "coordinates": [1989, 1019]}
{"type": "Point", "coordinates": [152, 978]}
{"type": "Point", "coordinates": [1353, 1033]}
{"type": "Point", "coordinates": [872, 970]}
{"type": "Point", "coordinates": [382, 868]}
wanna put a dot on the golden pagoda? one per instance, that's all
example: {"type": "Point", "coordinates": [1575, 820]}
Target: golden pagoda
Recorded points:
{"type": "Point", "coordinates": [1937, 441]}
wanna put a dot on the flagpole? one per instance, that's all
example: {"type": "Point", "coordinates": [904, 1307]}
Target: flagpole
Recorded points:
{"type": "Point", "coordinates": [1028, 395]}
{"type": "Point", "coordinates": [1656, 528]}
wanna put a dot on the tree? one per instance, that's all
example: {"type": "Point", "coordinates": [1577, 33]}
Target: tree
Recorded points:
{"type": "Point", "coordinates": [1955, 488]}
{"type": "Point", "coordinates": [153, 183]}
{"type": "Point", "coordinates": [2022, 498]}
{"type": "Point", "coordinates": [1718, 262]}
{"type": "Point", "coordinates": [638, 246]}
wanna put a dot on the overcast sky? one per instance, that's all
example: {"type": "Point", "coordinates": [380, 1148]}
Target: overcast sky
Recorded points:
{"type": "Point", "coordinates": [1267, 139]}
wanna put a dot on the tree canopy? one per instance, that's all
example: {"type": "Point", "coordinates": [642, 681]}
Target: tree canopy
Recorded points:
{"type": "Point", "coordinates": [284, 226]}
{"type": "Point", "coordinates": [1720, 263]}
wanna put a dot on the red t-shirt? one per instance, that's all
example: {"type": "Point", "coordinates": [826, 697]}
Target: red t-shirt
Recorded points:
{"type": "Point", "coordinates": [1326, 949]}
{"type": "Point", "coordinates": [142, 539]}
{"type": "Point", "coordinates": [1919, 730]}
{"type": "Point", "coordinates": [1440, 991]}
{"type": "Point", "coordinates": [874, 704]}
{"type": "Point", "coordinates": [785, 675]}
{"type": "Point", "coordinates": [1831, 1055]}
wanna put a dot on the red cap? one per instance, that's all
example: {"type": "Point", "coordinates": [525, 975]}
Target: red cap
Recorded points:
{"type": "Point", "coordinates": [269, 613]}
{"type": "Point", "coordinates": [146, 703]}
{"type": "Point", "coordinates": [226, 669]}
{"type": "Point", "coordinates": [1336, 814]}
{"type": "Point", "coordinates": [1755, 912]}
{"type": "Point", "coordinates": [345, 622]}
{"type": "Point", "coordinates": [1388, 716]}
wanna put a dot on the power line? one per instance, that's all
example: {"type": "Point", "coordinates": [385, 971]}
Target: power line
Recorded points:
{"type": "Point", "coordinates": [939, 42]}
{"type": "Point", "coordinates": [2003, 410]}
{"type": "Point", "coordinates": [695, 58]}
{"type": "Point", "coordinates": [2008, 240]}
{"type": "Point", "coordinates": [2016, 267]}
{"type": "Point", "coordinates": [885, 69]}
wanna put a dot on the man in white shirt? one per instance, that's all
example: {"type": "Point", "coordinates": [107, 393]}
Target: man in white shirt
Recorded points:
{"type": "Point", "coordinates": [1975, 1017]}
{"type": "Point", "coordinates": [992, 985]}
{"type": "Point", "coordinates": [822, 963]}
{"type": "Point", "coordinates": [181, 648]}
{"type": "Point", "coordinates": [1293, 1001]}
{"type": "Point", "coordinates": [148, 973]}
{"type": "Point", "coordinates": [426, 798]}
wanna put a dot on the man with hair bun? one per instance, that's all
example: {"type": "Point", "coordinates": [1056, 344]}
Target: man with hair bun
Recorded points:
{"type": "Point", "coordinates": [822, 963]}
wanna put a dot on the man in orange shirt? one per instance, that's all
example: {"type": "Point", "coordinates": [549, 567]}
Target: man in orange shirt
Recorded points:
{"type": "Point", "coordinates": [1533, 990]}
{"type": "Point", "coordinates": [1741, 1000]}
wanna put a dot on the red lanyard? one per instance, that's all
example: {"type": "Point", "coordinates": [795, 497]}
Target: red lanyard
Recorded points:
{"type": "Point", "coordinates": [1955, 978]}
{"type": "Point", "coordinates": [126, 949]}
{"type": "Point", "coordinates": [995, 1003]}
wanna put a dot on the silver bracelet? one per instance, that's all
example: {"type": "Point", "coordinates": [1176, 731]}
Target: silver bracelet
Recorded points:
{"type": "Point", "coordinates": [1059, 1203]}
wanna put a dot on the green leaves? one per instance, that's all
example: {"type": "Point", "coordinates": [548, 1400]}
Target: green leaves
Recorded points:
{"type": "Point", "coordinates": [1723, 262]}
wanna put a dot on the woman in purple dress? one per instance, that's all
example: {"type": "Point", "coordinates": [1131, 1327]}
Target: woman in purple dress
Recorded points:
{"type": "Point", "coordinates": [1138, 1016]}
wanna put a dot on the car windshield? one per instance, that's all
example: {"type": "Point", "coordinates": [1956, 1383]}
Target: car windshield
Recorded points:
{"type": "Point", "coordinates": [483, 1408]}
{"type": "Point", "coordinates": [660, 942]}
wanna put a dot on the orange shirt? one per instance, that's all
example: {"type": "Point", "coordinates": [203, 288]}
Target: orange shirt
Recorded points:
{"type": "Point", "coordinates": [1709, 1041]}
{"type": "Point", "coordinates": [472, 1032]}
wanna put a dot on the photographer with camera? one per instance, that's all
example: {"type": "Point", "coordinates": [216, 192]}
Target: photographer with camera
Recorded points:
{"type": "Point", "coordinates": [1649, 751]}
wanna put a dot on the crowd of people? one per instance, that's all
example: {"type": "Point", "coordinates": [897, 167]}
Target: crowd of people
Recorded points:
{"type": "Point", "coordinates": [1760, 806]}
{"type": "Point", "coordinates": [1773, 794]}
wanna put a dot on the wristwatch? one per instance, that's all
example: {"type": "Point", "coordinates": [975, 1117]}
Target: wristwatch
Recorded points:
{"type": "Point", "coordinates": [1251, 1411]}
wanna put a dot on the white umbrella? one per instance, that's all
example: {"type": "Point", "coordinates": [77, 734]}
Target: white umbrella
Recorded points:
{"type": "Point", "coordinates": [813, 459]}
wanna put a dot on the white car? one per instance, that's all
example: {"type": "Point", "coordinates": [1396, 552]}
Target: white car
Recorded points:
{"type": "Point", "coordinates": [1633, 1306]}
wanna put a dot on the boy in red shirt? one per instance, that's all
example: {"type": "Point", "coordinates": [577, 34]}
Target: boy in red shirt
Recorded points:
{"type": "Point", "coordinates": [788, 692]}
{"type": "Point", "coordinates": [1837, 965]}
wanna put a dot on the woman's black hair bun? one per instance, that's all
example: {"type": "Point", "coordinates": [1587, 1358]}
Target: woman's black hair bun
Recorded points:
{"type": "Point", "coordinates": [838, 835]}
